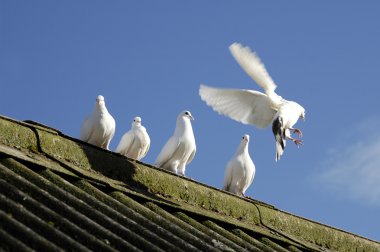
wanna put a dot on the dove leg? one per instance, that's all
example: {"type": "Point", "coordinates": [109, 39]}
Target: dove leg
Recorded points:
{"type": "Point", "coordinates": [298, 131]}
{"type": "Point", "coordinates": [173, 167]}
{"type": "Point", "coordinates": [298, 142]}
{"type": "Point", "coordinates": [105, 144]}
{"type": "Point", "coordinates": [181, 170]}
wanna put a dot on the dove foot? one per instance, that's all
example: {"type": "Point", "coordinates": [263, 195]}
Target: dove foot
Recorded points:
{"type": "Point", "coordinates": [298, 142]}
{"type": "Point", "coordinates": [298, 131]}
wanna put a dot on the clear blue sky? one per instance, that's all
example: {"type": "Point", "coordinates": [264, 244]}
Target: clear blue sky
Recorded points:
{"type": "Point", "coordinates": [147, 58]}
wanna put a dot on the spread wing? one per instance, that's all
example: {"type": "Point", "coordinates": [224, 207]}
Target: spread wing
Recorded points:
{"type": "Point", "coordinates": [245, 106]}
{"type": "Point", "coordinates": [253, 66]}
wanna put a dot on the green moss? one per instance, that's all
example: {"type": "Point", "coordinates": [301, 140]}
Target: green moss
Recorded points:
{"type": "Point", "coordinates": [16, 135]}
{"type": "Point", "coordinates": [195, 194]}
{"type": "Point", "coordinates": [315, 233]}
{"type": "Point", "coordinates": [154, 184]}
{"type": "Point", "coordinates": [63, 149]}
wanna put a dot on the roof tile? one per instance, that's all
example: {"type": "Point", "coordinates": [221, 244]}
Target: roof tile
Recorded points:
{"type": "Point", "coordinates": [59, 193]}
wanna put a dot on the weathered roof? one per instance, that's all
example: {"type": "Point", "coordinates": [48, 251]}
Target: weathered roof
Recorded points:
{"type": "Point", "coordinates": [58, 193]}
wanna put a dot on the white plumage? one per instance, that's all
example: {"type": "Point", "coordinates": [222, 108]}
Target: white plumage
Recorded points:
{"type": "Point", "coordinates": [240, 170]}
{"type": "Point", "coordinates": [136, 142]}
{"type": "Point", "coordinates": [253, 107]}
{"type": "Point", "coordinates": [180, 149]}
{"type": "Point", "coordinates": [98, 128]}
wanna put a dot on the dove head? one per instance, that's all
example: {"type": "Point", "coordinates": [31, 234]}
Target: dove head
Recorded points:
{"type": "Point", "coordinates": [243, 146]}
{"type": "Point", "coordinates": [100, 105]}
{"type": "Point", "coordinates": [136, 121]}
{"type": "Point", "coordinates": [100, 100]}
{"type": "Point", "coordinates": [183, 124]}
{"type": "Point", "coordinates": [302, 116]}
{"type": "Point", "coordinates": [187, 114]}
{"type": "Point", "coordinates": [245, 138]}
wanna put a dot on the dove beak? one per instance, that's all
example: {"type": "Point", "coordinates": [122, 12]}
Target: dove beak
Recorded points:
{"type": "Point", "coordinates": [191, 117]}
{"type": "Point", "coordinates": [303, 117]}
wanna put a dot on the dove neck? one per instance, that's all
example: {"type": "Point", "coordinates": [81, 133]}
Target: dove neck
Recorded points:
{"type": "Point", "coordinates": [183, 126]}
{"type": "Point", "coordinates": [243, 148]}
{"type": "Point", "coordinates": [136, 126]}
{"type": "Point", "coordinates": [101, 108]}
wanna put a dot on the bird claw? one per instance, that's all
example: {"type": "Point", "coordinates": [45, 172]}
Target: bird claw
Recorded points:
{"type": "Point", "coordinates": [299, 132]}
{"type": "Point", "coordinates": [298, 142]}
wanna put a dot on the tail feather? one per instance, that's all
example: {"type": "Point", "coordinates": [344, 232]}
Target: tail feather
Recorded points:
{"type": "Point", "coordinates": [279, 134]}
{"type": "Point", "coordinates": [279, 151]}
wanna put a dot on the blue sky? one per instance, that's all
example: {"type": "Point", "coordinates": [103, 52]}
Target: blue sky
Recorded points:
{"type": "Point", "coordinates": [147, 58]}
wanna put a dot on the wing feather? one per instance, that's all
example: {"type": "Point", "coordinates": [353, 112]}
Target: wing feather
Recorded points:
{"type": "Point", "coordinates": [167, 151]}
{"type": "Point", "coordinates": [125, 143]}
{"type": "Point", "coordinates": [228, 176]}
{"type": "Point", "coordinates": [253, 66]}
{"type": "Point", "coordinates": [191, 156]}
{"type": "Point", "coordinates": [146, 143]}
{"type": "Point", "coordinates": [86, 130]}
{"type": "Point", "coordinates": [245, 106]}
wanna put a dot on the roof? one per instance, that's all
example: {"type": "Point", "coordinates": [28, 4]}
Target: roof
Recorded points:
{"type": "Point", "coordinates": [59, 193]}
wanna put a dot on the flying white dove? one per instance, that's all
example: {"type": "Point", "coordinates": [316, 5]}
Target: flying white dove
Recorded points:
{"type": "Point", "coordinates": [136, 142]}
{"type": "Point", "coordinates": [180, 149]}
{"type": "Point", "coordinates": [240, 170]}
{"type": "Point", "coordinates": [253, 107]}
{"type": "Point", "coordinates": [99, 127]}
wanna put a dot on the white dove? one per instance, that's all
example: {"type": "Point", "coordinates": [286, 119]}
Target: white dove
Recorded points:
{"type": "Point", "coordinates": [253, 107]}
{"type": "Point", "coordinates": [180, 149]}
{"type": "Point", "coordinates": [99, 127]}
{"type": "Point", "coordinates": [136, 142]}
{"type": "Point", "coordinates": [240, 170]}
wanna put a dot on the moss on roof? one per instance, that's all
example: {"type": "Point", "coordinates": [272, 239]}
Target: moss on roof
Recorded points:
{"type": "Point", "coordinates": [180, 199]}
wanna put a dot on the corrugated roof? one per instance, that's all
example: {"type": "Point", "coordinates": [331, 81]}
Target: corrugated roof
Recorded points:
{"type": "Point", "coordinates": [58, 193]}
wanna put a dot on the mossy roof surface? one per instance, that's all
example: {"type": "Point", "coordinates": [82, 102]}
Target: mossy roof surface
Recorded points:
{"type": "Point", "coordinates": [58, 193]}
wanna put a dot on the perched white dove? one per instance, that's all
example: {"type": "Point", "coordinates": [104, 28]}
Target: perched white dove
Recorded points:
{"type": "Point", "coordinates": [99, 127]}
{"type": "Point", "coordinates": [240, 170]}
{"type": "Point", "coordinates": [253, 107]}
{"type": "Point", "coordinates": [136, 142]}
{"type": "Point", "coordinates": [180, 149]}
